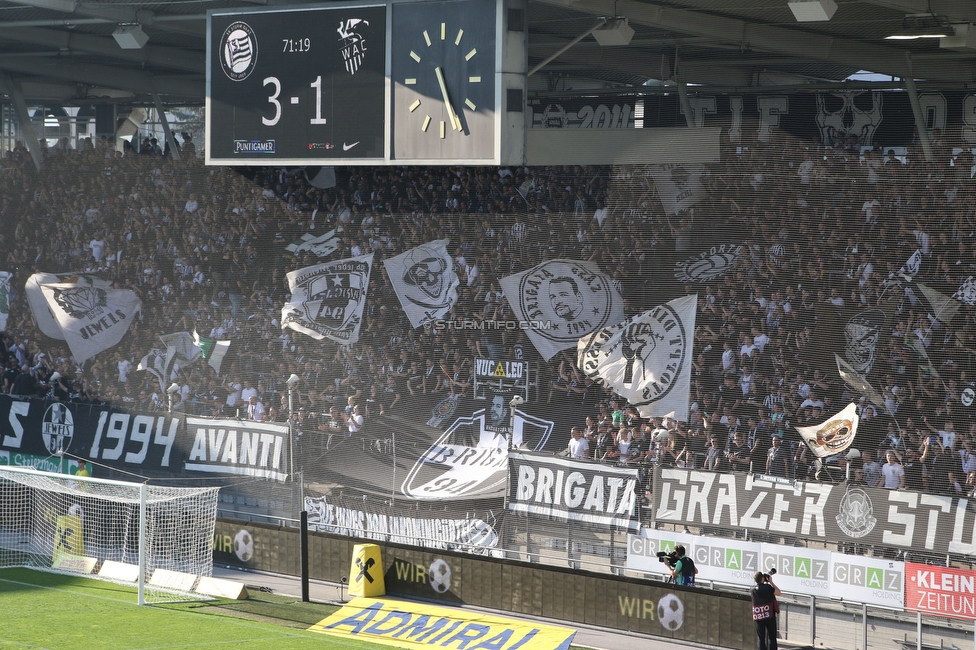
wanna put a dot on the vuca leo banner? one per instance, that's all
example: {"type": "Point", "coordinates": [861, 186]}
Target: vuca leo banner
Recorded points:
{"type": "Point", "coordinates": [834, 513]}
{"type": "Point", "coordinates": [573, 490]}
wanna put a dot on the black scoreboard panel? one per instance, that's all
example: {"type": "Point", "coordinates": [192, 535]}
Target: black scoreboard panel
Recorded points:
{"type": "Point", "coordinates": [297, 85]}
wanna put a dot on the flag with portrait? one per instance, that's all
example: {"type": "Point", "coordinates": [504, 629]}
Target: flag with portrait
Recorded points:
{"type": "Point", "coordinates": [647, 358]}
{"type": "Point", "coordinates": [559, 301]}
{"type": "Point", "coordinates": [833, 436]}
{"type": "Point", "coordinates": [327, 300]}
{"type": "Point", "coordinates": [424, 280]}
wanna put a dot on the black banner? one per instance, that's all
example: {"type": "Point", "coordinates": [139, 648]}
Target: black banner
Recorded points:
{"type": "Point", "coordinates": [573, 490]}
{"type": "Point", "coordinates": [902, 519]}
{"type": "Point", "coordinates": [148, 444]}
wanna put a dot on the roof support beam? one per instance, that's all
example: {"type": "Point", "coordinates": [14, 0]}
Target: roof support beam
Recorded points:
{"type": "Point", "coordinates": [113, 13]}
{"type": "Point", "coordinates": [769, 38]}
{"type": "Point", "coordinates": [109, 77]}
{"type": "Point", "coordinates": [23, 118]}
{"type": "Point", "coordinates": [954, 10]}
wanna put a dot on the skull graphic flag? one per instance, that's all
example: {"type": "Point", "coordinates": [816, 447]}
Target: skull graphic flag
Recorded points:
{"type": "Point", "coordinates": [858, 335]}
{"type": "Point", "coordinates": [424, 281]}
{"type": "Point", "coordinates": [327, 300]}
{"type": "Point", "coordinates": [833, 436]}
{"type": "Point", "coordinates": [647, 358]}
{"type": "Point", "coordinates": [91, 318]}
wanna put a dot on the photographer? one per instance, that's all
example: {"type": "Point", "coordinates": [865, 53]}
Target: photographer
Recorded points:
{"type": "Point", "coordinates": [683, 570]}
{"type": "Point", "coordinates": [764, 609]}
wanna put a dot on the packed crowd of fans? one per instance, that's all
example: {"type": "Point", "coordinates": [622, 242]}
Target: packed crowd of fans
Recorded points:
{"type": "Point", "coordinates": [204, 248]}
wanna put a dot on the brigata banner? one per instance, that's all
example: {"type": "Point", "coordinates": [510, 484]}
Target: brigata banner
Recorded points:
{"type": "Point", "coordinates": [432, 532]}
{"type": "Point", "coordinates": [940, 591]}
{"type": "Point", "coordinates": [834, 513]}
{"type": "Point", "coordinates": [419, 625]}
{"type": "Point", "coordinates": [573, 490]}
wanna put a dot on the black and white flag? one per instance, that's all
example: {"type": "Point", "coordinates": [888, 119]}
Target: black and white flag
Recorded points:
{"type": "Point", "coordinates": [833, 436]}
{"type": "Point", "coordinates": [43, 315]}
{"type": "Point", "coordinates": [858, 382]}
{"type": "Point", "coordinates": [322, 246]}
{"type": "Point", "coordinates": [647, 358]}
{"type": "Point", "coordinates": [327, 300]}
{"type": "Point", "coordinates": [714, 263]}
{"type": "Point", "coordinates": [678, 185]}
{"type": "Point", "coordinates": [4, 299]}
{"type": "Point", "coordinates": [967, 291]}
{"type": "Point", "coordinates": [91, 319]}
{"type": "Point", "coordinates": [559, 301]}
{"type": "Point", "coordinates": [424, 281]}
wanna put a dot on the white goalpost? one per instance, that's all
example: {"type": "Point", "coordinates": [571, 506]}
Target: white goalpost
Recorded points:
{"type": "Point", "coordinates": [157, 538]}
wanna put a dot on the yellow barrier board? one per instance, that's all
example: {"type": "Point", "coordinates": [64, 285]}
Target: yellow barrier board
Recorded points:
{"type": "Point", "coordinates": [414, 625]}
{"type": "Point", "coordinates": [366, 572]}
{"type": "Point", "coordinates": [69, 538]}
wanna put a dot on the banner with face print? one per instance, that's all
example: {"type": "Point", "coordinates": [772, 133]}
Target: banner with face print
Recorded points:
{"type": "Point", "coordinates": [424, 280]}
{"type": "Point", "coordinates": [647, 358]}
{"type": "Point", "coordinates": [559, 301]}
{"type": "Point", "coordinates": [833, 436]}
{"type": "Point", "coordinates": [857, 335]}
{"type": "Point", "coordinates": [327, 300]}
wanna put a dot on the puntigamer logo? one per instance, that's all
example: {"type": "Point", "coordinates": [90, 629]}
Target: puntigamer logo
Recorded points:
{"type": "Point", "coordinates": [254, 146]}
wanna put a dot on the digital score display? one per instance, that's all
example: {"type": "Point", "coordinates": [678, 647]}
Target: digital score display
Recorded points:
{"type": "Point", "coordinates": [297, 86]}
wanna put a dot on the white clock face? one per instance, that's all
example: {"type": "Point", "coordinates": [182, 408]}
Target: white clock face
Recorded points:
{"type": "Point", "coordinates": [444, 80]}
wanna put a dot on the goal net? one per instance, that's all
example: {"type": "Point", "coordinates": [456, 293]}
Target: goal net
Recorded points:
{"type": "Point", "coordinates": [159, 539]}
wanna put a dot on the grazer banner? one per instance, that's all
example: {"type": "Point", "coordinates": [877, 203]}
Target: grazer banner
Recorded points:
{"type": "Point", "coordinates": [940, 591]}
{"type": "Point", "coordinates": [834, 513]}
{"type": "Point", "coordinates": [572, 490]}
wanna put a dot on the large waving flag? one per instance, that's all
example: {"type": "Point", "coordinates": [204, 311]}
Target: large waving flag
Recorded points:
{"type": "Point", "coordinates": [424, 281]}
{"type": "Point", "coordinates": [647, 358]}
{"type": "Point", "coordinates": [560, 301]}
{"type": "Point", "coordinates": [833, 436]}
{"type": "Point", "coordinates": [323, 245]}
{"type": "Point", "coordinates": [327, 300]}
{"type": "Point", "coordinates": [43, 314]}
{"type": "Point", "coordinates": [213, 351]}
{"type": "Point", "coordinates": [91, 318]}
{"type": "Point", "coordinates": [4, 299]}
{"type": "Point", "coordinates": [678, 185]}
{"type": "Point", "coordinates": [857, 334]}
{"type": "Point", "coordinates": [159, 363]}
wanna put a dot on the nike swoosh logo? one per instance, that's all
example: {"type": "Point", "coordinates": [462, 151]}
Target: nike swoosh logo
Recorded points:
{"type": "Point", "coordinates": [347, 147]}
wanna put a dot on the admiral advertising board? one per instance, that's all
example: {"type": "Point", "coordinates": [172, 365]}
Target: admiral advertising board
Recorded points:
{"type": "Point", "coordinates": [896, 519]}
{"type": "Point", "coordinates": [155, 444]}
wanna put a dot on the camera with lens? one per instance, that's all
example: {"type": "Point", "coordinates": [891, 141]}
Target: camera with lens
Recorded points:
{"type": "Point", "coordinates": [670, 559]}
{"type": "Point", "coordinates": [766, 576]}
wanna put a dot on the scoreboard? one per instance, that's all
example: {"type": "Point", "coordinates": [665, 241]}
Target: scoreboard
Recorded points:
{"type": "Point", "coordinates": [383, 83]}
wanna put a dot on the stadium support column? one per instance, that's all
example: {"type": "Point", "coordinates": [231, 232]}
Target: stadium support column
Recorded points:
{"type": "Point", "coordinates": [685, 104]}
{"type": "Point", "coordinates": [170, 140]}
{"type": "Point", "coordinates": [923, 132]}
{"type": "Point", "coordinates": [26, 126]}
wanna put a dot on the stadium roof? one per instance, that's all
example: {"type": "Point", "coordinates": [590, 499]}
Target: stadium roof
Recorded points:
{"type": "Point", "coordinates": [63, 51]}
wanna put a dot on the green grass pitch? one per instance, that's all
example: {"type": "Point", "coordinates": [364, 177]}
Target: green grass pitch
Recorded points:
{"type": "Point", "coordinates": [42, 610]}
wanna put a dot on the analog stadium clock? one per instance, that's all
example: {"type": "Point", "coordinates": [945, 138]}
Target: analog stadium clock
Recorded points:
{"type": "Point", "coordinates": [443, 72]}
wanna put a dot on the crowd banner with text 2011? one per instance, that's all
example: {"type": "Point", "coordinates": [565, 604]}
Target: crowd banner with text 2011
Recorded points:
{"type": "Point", "coordinates": [573, 490]}
{"type": "Point", "coordinates": [898, 519]}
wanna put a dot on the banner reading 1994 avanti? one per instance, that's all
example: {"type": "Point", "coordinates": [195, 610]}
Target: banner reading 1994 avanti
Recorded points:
{"type": "Point", "coordinates": [836, 513]}
{"type": "Point", "coordinates": [573, 490]}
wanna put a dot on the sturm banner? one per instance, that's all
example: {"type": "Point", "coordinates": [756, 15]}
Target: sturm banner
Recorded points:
{"type": "Point", "coordinates": [473, 535]}
{"type": "Point", "coordinates": [573, 490]}
{"type": "Point", "coordinates": [899, 519]}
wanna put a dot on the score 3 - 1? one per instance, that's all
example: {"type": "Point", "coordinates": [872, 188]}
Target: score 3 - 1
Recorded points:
{"type": "Point", "coordinates": [273, 100]}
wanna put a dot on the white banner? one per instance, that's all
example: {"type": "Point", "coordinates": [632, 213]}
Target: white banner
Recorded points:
{"type": "Point", "coordinates": [322, 246]}
{"type": "Point", "coordinates": [867, 580]}
{"type": "Point", "coordinates": [43, 315]}
{"type": "Point", "coordinates": [91, 318]}
{"type": "Point", "coordinates": [424, 281]}
{"type": "Point", "coordinates": [833, 436]}
{"type": "Point", "coordinates": [562, 300]}
{"type": "Point", "coordinates": [678, 185]}
{"type": "Point", "coordinates": [428, 531]}
{"type": "Point", "coordinates": [647, 358]}
{"type": "Point", "coordinates": [967, 291]}
{"type": "Point", "coordinates": [327, 300]}
{"type": "Point", "coordinates": [4, 299]}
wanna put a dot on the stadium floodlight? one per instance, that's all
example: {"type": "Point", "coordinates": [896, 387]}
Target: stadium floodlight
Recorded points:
{"type": "Point", "coordinates": [158, 538]}
{"type": "Point", "coordinates": [130, 37]}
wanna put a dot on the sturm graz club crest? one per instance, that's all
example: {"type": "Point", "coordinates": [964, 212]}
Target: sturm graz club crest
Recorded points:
{"type": "Point", "coordinates": [352, 45]}
{"type": "Point", "coordinates": [81, 302]}
{"type": "Point", "coordinates": [855, 514]}
{"type": "Point", "coordinates": [57, 428]}
{"type": "Point", "coordinates": [238, 51]}
{"type": "Point", "coordinates": [709, 265]}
